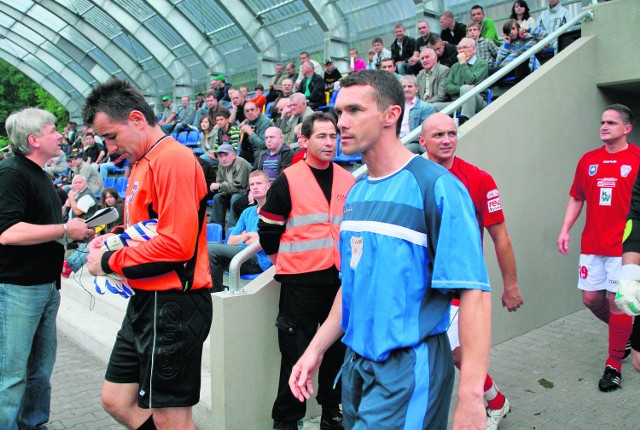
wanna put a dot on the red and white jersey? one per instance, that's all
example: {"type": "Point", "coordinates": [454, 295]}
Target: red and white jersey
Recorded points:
{"type": "Point", "coordinates": [483, 191]}
{"type": "Point", "coordinates": [604, 182]}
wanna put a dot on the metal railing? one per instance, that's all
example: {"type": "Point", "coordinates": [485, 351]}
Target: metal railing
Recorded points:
{"type": "Point", "coordinates": [254, 248]}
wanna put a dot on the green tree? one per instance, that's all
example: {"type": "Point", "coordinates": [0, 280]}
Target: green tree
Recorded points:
{"type": "Point", "coordinates": [17, 91]}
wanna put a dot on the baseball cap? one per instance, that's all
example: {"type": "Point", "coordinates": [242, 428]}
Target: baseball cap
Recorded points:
{"type": "Point", "coordinates": [74, 155]}
{"type": "Point", "coordinates": [218, 78]}
{"type": "Point", "coordinates": [165, 98]}
{"type": "Point", "coordinates": [327, 61]}
{"type": "Point", "coordinates": [225, 147]}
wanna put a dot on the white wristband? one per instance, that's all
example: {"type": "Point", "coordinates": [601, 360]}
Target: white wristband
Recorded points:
{"type": "Point", "coordinates": [630, 272]}
{"type": "Point", "coordinates": [64, 231]}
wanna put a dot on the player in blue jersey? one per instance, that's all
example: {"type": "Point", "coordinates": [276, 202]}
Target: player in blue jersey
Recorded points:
{"type": "Point", "coordinates": [408, 239]}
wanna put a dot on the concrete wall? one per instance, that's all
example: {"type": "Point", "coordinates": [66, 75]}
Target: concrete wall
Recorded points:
{"type": "Point", "coordinates": [530, 140]}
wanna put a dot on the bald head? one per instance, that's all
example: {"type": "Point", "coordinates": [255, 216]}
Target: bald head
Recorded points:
{"type": "Point", "coordinates": [440, 139]}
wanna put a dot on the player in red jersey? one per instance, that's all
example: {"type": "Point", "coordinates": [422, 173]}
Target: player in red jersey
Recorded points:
{"type": "Point", "coordinates": [603, 180]}
{"type": "Point", "coordinates": [440, 139]}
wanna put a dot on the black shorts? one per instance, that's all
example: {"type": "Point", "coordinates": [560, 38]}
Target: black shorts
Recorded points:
{"type": "Point", "coordinates": [159, 346]}
{"type": "Point", "coordinates": [635, 334]}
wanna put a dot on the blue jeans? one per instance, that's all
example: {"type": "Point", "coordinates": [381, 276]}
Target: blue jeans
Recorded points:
{"type": "Point", "coordinates": [220, 256]}
{"type": "Point", "coordinates": [27, 353]}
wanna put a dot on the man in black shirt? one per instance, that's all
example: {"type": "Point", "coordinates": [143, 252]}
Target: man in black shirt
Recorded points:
{"type": "Point", "coordinates": [30, 265]}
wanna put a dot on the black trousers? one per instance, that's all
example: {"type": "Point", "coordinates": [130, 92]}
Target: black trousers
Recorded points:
{"type": "Point", "coordinates": [302, 309]}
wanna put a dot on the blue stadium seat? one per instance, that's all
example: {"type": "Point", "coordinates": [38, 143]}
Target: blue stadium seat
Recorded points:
{"type": "Point", "coordinates": [198, 151]}
{"type": "Point", "coordinates": [121, 186]}
{"type": "Point", "coordinates": [182, 137]}
{"type": "Point", "coordinates": [332, 102]}
{"type": "Point", "coordinates": [193, 137]}
{"type": "Point", "coordinates": [267, 111]}
{"type": "Point", "coordinates": [214, 233]}
{"type": "Point", "coordinates": [345, 159]}
{"type": "Point", "coordinates": [110, 182]}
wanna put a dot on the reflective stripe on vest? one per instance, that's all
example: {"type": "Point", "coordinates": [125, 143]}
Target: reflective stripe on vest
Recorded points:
{"type": "Point", "coordinates": [309, 242]}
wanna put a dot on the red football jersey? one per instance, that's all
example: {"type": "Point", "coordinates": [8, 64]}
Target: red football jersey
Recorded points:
{"type": "Point", "coordinates": [604, 182]}
{"type": "Point", "coordinates": [483, 191]}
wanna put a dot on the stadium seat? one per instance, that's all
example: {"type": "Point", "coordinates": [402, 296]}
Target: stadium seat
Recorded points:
{"type": "Point", "coordinates": [121, 186]}
{"type": "Point", "coordinates": [193, 137]}
{"type": "Point", "coordinates": [198, 151]}
{"type": "Point", "coordinates": [110, 182]}
{"type": "Point", "coordinates": [182, 137]}
{"type": "Point", "coordinates": [267, 112]}
{"type": "Point", "coordinates": [214, 233]}
{"type": "Point", "coordinates": [332, 102]}
{"type": "Point", "coordinates": [345, 159]}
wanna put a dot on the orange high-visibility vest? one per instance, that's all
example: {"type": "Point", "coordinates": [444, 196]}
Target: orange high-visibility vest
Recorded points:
{"type": "Point", "coordinates": [310, 240]}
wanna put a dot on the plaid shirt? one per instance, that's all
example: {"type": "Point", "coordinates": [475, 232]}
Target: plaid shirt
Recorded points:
{"type": "Point", "coordinates": [486, 50]}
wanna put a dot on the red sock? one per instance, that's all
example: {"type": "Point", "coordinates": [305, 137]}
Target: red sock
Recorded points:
{"type": "Point", "coordinates": [620, 327]}
{"type": "Point", "coordinates": [493, 396]}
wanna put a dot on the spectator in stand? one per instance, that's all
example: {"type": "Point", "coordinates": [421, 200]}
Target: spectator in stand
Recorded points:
{"type": "Point", "coordinates": [516, 41]}
{"type": "Point", "coordinates": [305, 58]}
{"type": "Point", "coordinates": [93, 152]}
{"type": "Point", "coordinates": [283, 99]}
{"type": "Point", "coordinates": [243, 234]}
{"type": "Point", "coordinates": [422, 42]}
{"type": "Point", "coordinates": [81, 202]}
{"type": "Point", "coordinates": [370, 64]}
{"type": "Point", "coordinates": [272, 161]}
{"type": "Point", "coordinates": [302, 152]}
{"type": "Point", "coordinates": [379, 53]}
{"type": "Point", "coordinates": [388, 65]}
{"type": "Point", "coordinates": [185, 117]}
{"type": "Point", "coordinates": [291, 72]}
{"type": "Point", "coordinates": [466, 74]}
{"type": "Point", "coordinates": [402, 49]}
{"type": "Point", "coordinates": [208, 139]}
{"type": "Point", "coordinates": [111, 199]}
{"type": "Point", "coordinates": [79, 167]}
{"type": "Point", "coordinates": [551, 19]}
{"type": "Point", "coordinates": [312, 86]}
{"type": "Point", "coordinates": [487, 26]}
{"type": "Point", "coordinates": [222, 88]}
{"type": "Point", "coordinates": [415, 111]}
{"type": "Point", "coordinates": [252, 132]}
{"type": "Point", "coordinates": [116, 161]}
{"type": "Point", "coordinates": [275, 84]}
{"type": "Point", "coordinates": [292, 115]}
{"type": "Point", "coordinates": [485, 49]}
{"type": "Point", "coordinates": [447, 53]}
{"type": "Point", "coordinates": [452, 32]}
{"type": "Point", "coordinates": [56, 164]}
{"type": "Point", "coordinates": [259, 99]}
{"type": "Point", "coordinates": [199, 101]}
{"type": "Point", "coordinates": [520, 12]}
{"type": "Point", "coordinates": [210, 108]}
{"type": "Point", "coordinates": [432, 80]}
{"type": "Point", "coordinates": [355, 64]}
{"type": "Point", "coordinates": [169, 113]}
{"type": "Point", "coordinates": [231, 181]}
{"type": "Point", "coordinates": [237, 107]}
{"type": "Point", "coordinates": [244, 90]}
{"type": "Point", "coordinates": [331, 75]}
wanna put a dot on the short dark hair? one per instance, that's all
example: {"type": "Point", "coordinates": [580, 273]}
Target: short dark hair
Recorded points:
{"type": "Point", "coordinates": [116, 98]}
{"type": "Point", "coordinates": [387, 89]}
{"type": "Point", "coordinates": [508, 25]}
{"type": "Point", "coordinates": [625, 113]}
{"type": "Point", "coordinates": [477, 6]}
{"type": "Point", "coordinates": [377, 40]}
{"type": "Point", "coordinates": [223, 113]}
{"type": "Point", "coordinates": [309, 122]}
{"type": "Point", "coordinates": [434, 39]}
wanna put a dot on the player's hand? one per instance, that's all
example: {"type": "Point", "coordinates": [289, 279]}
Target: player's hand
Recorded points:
{"type": "Point", "coordinates": [563, 243]}
{"type": "Point", "coordinates": [512, 298]}
{"type": "Point", "coordinates": [628, 297]}
{"type": "Point", "coordinates": [78, 230]}
{"type": "Point", "coordinates": [301, 379]}
{"type": "Point", "coordinates": [470, 414]}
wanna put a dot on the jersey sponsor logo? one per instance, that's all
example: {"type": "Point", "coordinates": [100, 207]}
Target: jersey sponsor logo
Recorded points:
{"type": "Point", "coordinates": [609, 161]}
{"type": "Point", "coordinates": [593, 169]}
{"type": "Point", "coordinates": [494, 205]}
{"type": "Point", "coordinates": [357, 244]}
{"type": "Point", "coordinates": [605, 196]}
{"type": "Point", "coordinates": [625, 170]}
{"type": "Point", "coordinates": [341, 197]}
{"type": "Point", "coordinates": [584, 272]}
{"type": "Point", "coordinates": [493, 193]}
{"type": "Point", "coordinates": [607, 182]}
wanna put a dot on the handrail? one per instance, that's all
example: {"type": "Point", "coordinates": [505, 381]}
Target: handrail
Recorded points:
{"type": "Point", "coordinates": [501, 73]}
{"type": "Point", "coordinates": [254, 248]}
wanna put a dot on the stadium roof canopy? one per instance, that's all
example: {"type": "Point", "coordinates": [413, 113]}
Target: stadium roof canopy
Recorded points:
{"type": "Point", "coordinates": [175, 46]}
